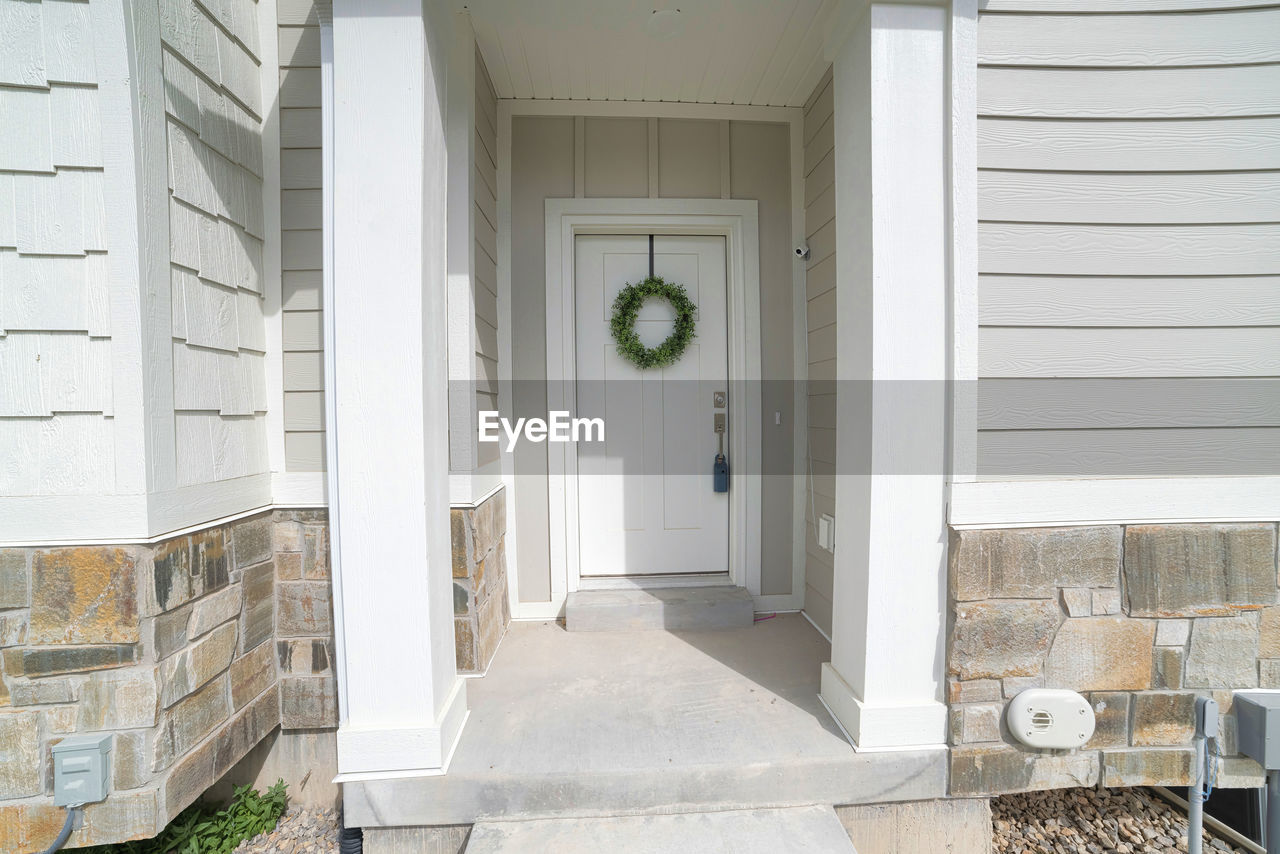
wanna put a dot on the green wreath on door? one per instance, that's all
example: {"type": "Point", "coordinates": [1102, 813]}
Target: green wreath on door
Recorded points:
{"type": "Point", "coordinates": [626, 307]}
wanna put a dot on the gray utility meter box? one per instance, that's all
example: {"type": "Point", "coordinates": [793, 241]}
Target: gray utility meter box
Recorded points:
{"type": "Point", "coordinates": [80, 769]}
{"type": "Point", "coordinates": [1258, 727]}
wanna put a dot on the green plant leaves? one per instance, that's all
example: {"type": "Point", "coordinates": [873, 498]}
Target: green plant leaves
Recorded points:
{"type": "Point", "coordinates": [626, 306]}
{"type": "Point", "coordinates": [202, 829]}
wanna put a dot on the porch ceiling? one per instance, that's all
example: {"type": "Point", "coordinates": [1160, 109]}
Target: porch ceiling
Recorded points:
{"type": "Point", "coordinates": [760, 52]}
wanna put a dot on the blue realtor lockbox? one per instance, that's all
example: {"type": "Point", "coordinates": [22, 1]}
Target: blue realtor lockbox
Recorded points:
{"type": "Point", "coordinates": [720, 474]}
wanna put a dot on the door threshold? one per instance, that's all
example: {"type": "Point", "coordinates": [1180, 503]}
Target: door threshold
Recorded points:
{"type": "Point", "coordinates": [661, 608]}
{"type": "Point", "coordinates": [645, 582]}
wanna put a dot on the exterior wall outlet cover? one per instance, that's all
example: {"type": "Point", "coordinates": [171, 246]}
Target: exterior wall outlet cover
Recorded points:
{"type": "Point", "coordinates": [80, 769]}
{"type": "Point", "coordinates": [827, 532]}
{"type": "Point", "coordinates": [1050, 719]}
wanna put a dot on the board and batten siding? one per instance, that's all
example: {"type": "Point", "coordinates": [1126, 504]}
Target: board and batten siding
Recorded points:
{"type": "Point", "coordinates": [1129, 237]}
{"type": "Point", "coordinates": [56, 397]}
{"type": "Point", "coordinates": [300, 239]}
{"type": "Point", "coordinates": [484, 262]}
{"type": "Point", "coordinates": [820, 283]}
{"type": "Point", "coordinates": [609, 157]}
{"type": "Point", "coordinates": [213, 124]}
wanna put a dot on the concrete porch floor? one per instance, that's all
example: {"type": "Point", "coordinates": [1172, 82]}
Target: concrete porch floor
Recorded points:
{"type": "Point", "coordinates": [615, 723]}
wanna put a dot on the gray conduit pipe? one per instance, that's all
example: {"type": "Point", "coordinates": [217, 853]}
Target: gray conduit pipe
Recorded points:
{"type": "Point", "coordinates": [64, 834]}
{"type": "Point", "coordinates": [1230, 834]}
{"type": "Point", "coordinates": [1206, 728]}
{"type": "Point", "coordinates": [1273, 811]}
{"type": "Point", "coordinates": [1195, 796]}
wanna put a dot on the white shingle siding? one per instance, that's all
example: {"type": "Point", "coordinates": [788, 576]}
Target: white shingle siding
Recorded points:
{"type": "Point", "coordinates": [1129, 207]}
{"type": "Point", "coordinates": [212, 447]}
{"type": "Point", "coordinates": [68, 45]}
{"type": "Point", "coordinates": [8, 228]}
{"type": "Point", "coordinates": [44, 293]}
{"type": "Point", "coordinates": [56, 394]}
{"type": "Point", "coordinates": [26, 142]}
{"type": "Point", "coordinates": [73, 454]}
{"type": "Point", "coordinates": [54, 372]}
{"type": "Point", "coordinates": [214, 133]}
{"type": "Point", "coordinates": [76, 128]}
{"type": "Point", "coordinates": [22, 61]}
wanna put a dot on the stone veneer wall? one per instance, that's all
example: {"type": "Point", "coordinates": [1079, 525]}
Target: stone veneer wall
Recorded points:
{"type": "Point", "coordinates": [189, 652]}
{"type": "Point", "coordinates": [1140, 619]}
{"type": "Point", "coordinates": [481, 610]}
{"type": "Point", "coordinates": [304, 621]}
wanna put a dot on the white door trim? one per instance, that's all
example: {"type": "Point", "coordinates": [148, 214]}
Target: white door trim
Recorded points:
{"type": "Point", "coordinates": [738, 222]}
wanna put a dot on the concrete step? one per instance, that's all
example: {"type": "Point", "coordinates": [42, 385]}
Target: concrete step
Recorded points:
{"type": "Point", "coordinates": [810, 829]}
{"type": "Point", "coordinates": [671, 608]}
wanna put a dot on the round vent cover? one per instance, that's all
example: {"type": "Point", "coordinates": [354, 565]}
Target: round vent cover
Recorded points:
{"type": "Point", "coordinates": [1050, 718]}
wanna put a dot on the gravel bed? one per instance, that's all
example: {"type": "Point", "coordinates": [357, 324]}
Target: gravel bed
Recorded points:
{"type": "Point", "coordinates": [1088, 821]}
{"type": "Point", "coordinates": [1062, 821]}
{"type": "Point", "coordinates": [299, 831]}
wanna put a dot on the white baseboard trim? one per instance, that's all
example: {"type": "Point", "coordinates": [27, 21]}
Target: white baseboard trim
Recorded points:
{"type": "Point", "coordinates": [47, 521]}
{"type": "Point", "coordinates": [780, 603]}
{"type": "Point", "coordinates": [373, 752]}
{"type": "Point", "coordinates": [805, 614]}
{"type": "Point", "coordinates": [534, 611]}
{"type": "Point", "coordinates": [871, 728]}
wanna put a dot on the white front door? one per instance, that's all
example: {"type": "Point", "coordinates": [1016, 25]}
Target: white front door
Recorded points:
{"type": "Point", "coordinates": [646, 504]}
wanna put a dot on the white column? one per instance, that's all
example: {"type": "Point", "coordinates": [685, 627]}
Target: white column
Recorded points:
{"type": "Point", "coordinates": [402, 704]}
{"type": "Point", "coordinates": [884, 681]}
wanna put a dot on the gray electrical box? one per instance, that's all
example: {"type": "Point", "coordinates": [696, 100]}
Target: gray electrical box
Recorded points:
{"type": "Point", "coordinates": [80, 769]}
{"type": "Point", "coordinates": [1258, 727]}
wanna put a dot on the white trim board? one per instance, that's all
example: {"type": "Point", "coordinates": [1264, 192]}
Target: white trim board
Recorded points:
{"type": "Point", "coordinates": [738, 223]}
{"type": "Point", "coordinates": [299, 489]}
{"type": "Point", "coordinates": [128, 258]}
{"type": "Point", "coordinates": [962, 261]}
{"type": "Point", "coordinates": [473, 503]}
{"type": "Point", "coordinates": [505, 404]}
{"type": "Point", "coordinates": [273, 276]}
{"type": "Point", "coordinates": [41, 521]}
{"type": "Point", "coordinates": [650, 110]}
{"type": "Point", "coordinates": [328, 140]}
{"type": "Point", "coordinates": [460, 135]}
{"type": "Point", "coordinates": [800, 370]}
{"type": "Point", "coordinates": [1049, 503]}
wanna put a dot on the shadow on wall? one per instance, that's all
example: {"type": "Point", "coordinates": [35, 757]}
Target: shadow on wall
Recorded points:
{"type": "Point", "coordinates": [306, 759]}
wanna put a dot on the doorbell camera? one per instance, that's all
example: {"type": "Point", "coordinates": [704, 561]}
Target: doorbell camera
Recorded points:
{"type": "Point", "coordinates": [802, 251]}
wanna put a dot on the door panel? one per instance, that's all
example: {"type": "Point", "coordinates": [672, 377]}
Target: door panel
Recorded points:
{"type": "Point", "coordinates": [645, 499]}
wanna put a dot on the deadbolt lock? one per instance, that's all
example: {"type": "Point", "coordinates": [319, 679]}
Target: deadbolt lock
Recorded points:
{"type": "Point", "coordinates": [718, 399]}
